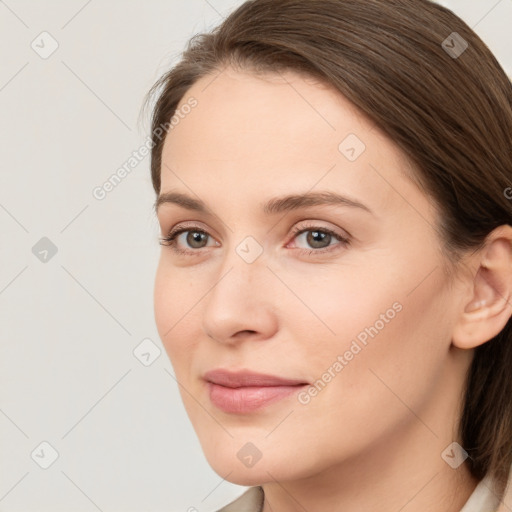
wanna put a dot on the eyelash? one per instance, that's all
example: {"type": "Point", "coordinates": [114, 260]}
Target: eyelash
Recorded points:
{"type": "Point", "coordinates": [170, 240]}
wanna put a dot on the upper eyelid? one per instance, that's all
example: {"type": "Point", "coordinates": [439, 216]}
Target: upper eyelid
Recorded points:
{"type": "Point", "coordinates": [344, 232]}
{"type": "Point", "coordinates": [182, 226]}
{"type": "Point", "coordinates": [295, 231]}
{"type": "Point", "coordinates": [310, 224]}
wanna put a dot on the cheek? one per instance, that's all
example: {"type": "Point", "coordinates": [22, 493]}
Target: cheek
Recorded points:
{"type": "Point", "coordinates": [381, 314]}
{"type": "Point", "coordinates": [173, 301]}
{"type": "Point", "coordinates": [387, 342]}
{"type": "Point", "coordinates": [338, 306]}
{"type": "Point", "coordinates": [399, 363]}
{"type": "Point", "coordinates": [164, 301]}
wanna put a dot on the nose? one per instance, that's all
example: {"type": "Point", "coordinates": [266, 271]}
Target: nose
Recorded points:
{"type": "Point", "coordinates": [240, 304]}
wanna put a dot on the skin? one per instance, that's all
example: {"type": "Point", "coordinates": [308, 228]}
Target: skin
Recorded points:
{"type": "Point", "coordinates": [372, 438]}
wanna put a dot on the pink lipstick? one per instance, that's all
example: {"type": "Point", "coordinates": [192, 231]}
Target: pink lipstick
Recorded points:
{"type": "Point", "coordinates": [245, 391]}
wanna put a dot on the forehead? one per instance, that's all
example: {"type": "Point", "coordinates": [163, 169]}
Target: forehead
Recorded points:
{"type": "Point", "coordinates": [278, 132]}
{"type": "Point", "coordinates": [268, 110]}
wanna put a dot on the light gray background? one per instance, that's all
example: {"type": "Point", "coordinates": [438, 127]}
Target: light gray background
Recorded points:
{"type": "Point", "coordinates": [69, 326]}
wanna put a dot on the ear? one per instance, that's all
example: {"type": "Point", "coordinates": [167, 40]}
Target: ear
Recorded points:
{"type": "Point", "coordinates": [489, 307]}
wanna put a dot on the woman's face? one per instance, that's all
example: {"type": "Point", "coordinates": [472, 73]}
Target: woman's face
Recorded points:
{"type": "Point", "coordinates": [344, 299]}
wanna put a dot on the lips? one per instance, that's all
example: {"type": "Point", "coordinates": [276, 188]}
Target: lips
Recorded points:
{"type": "Point", "coordinates": [246, 378]}
{"type": "Point", "coordinates": [244, 391]}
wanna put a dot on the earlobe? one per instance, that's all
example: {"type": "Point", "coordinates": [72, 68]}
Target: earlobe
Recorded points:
{"type": "Point", "coordinates": [490, 307]}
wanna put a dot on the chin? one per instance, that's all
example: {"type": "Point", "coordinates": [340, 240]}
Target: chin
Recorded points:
{"type": "Point", "coordinates": [245, 477]}
{"type": "Point", "coordinates": [227, 463]}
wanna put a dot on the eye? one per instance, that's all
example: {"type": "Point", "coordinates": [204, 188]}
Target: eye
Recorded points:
{"type": "Point", "coordinates": [195, 238]}
{"type": "Point", "coordinates": [319, 239]}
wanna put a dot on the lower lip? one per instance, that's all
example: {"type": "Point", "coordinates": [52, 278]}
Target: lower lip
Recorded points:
{"type": "Point", "coordinates": [247, 399]}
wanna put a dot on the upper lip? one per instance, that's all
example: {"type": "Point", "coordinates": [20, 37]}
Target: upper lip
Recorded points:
{"type": "Point", "coordinates": [245, 378]}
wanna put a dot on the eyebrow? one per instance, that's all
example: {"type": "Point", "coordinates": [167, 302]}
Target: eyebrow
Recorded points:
{"type": "Point", "coordinates": [271, 207]}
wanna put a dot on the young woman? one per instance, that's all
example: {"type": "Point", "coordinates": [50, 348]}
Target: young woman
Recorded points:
{"type": "Point", "coordinates": [334, 186]}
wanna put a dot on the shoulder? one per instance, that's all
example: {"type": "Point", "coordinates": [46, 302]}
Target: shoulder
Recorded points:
{"type": "Point", "coordinates": [250, 501]}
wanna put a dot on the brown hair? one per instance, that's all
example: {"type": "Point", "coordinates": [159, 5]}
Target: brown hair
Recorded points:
{"type": "Point", "coordinates": [450, 114]}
